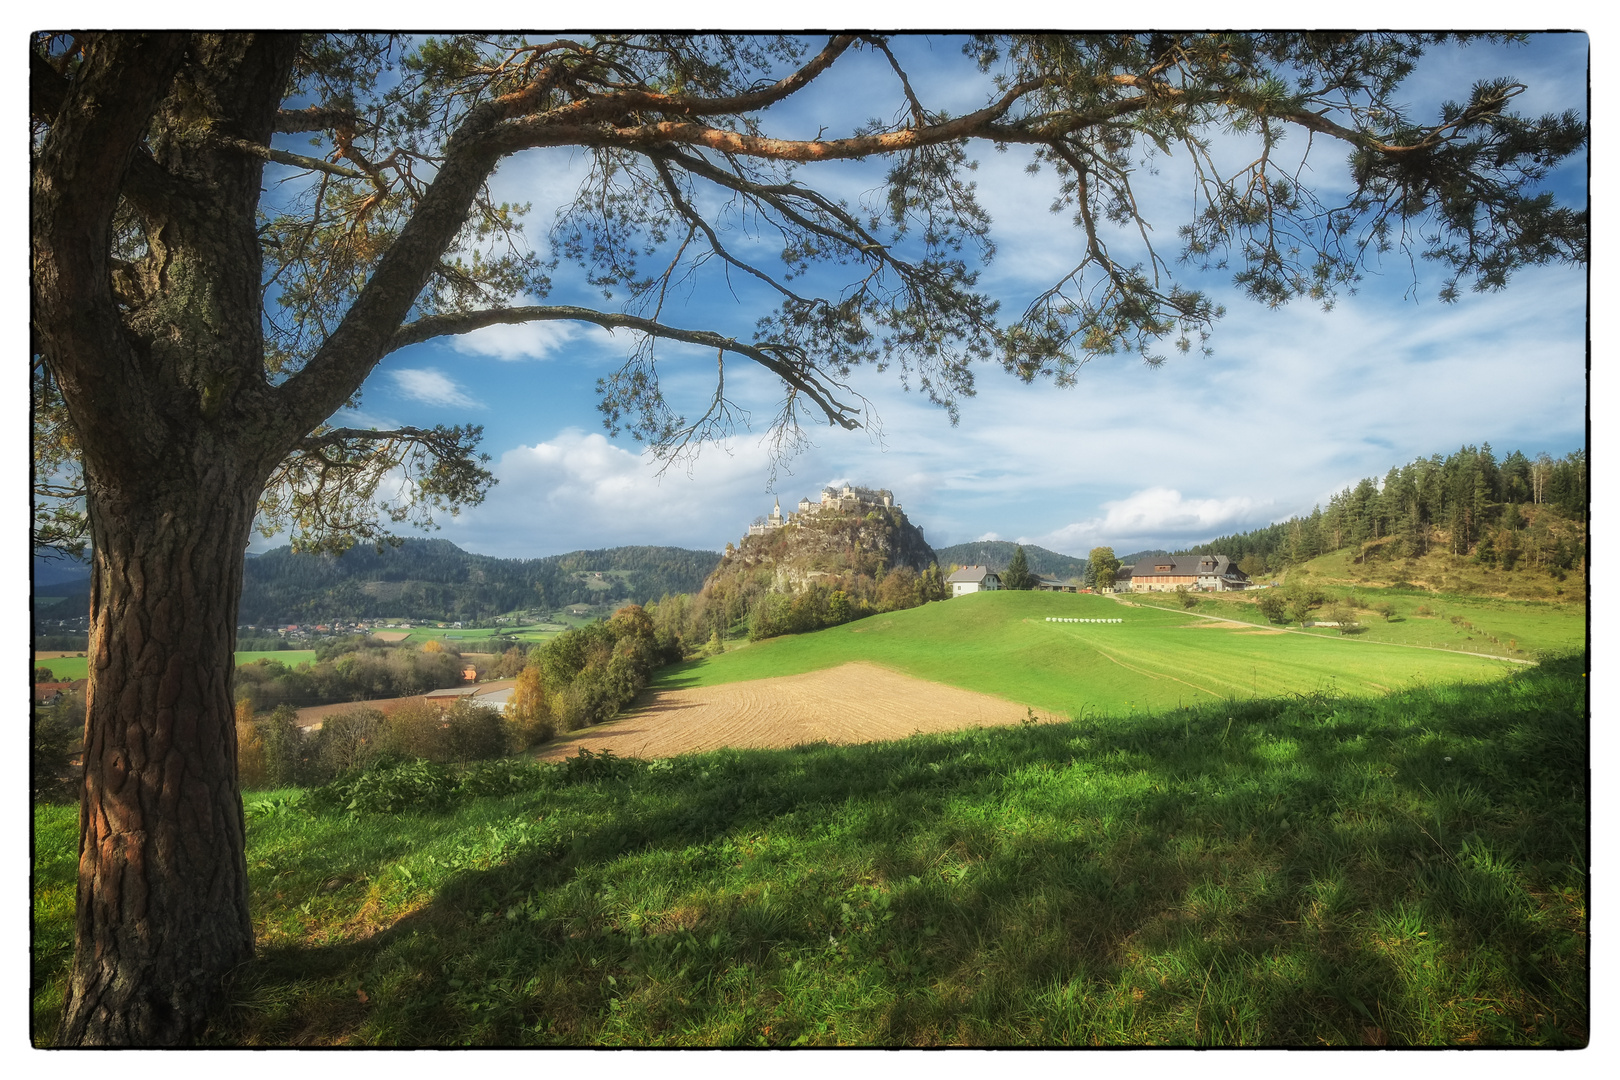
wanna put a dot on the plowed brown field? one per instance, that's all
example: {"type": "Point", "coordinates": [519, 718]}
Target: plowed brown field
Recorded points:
{"type": "Point", "coordinates": [853, 703]}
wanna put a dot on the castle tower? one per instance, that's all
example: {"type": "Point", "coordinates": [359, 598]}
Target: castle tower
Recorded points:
{"type": "Point", "coordinates": [776, 514]}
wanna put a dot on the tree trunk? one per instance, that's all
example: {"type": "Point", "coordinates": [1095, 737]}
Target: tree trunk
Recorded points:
{"type": "Point", "coordinates": [162, 913]}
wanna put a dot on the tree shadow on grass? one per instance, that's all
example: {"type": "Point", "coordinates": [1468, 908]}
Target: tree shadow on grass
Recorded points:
{"type": "Point", "coordinates": [1285, 872]}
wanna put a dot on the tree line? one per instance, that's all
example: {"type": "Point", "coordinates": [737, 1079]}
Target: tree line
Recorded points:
{"type": "Point", "coordinates": [1517, 513]}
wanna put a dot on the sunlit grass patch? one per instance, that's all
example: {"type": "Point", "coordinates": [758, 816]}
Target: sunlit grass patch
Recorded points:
{"type": "Point", "coordinates": [1301, 871]}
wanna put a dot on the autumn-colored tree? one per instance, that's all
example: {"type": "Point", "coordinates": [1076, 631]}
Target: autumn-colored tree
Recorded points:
{"type": "Point", "coordinates": [230, 231]}
{"type": "Point", "coordinates": [529, 711]}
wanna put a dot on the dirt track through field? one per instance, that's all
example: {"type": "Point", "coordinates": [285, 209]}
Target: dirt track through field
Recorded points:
{"type": "Point", "coordinates": [853, 703]}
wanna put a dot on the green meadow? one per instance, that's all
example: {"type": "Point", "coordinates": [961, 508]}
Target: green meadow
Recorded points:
{"type": "Point", "coordinates": [1311, 869]}
{"type": "Point", "coordinates": [75, 667]}
{"type": "Point", "coordinates": [472, 640]}
{"type": "Point", "coordinates": [1499, 626]}
{"type": "Point", "coordinates": [1000, 643]}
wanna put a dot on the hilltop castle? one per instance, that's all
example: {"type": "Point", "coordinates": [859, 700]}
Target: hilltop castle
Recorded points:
{"type": "Point", "coordinates": [845, 500]}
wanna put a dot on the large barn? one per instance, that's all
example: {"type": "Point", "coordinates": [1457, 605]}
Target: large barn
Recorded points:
{"type": "Point", "coordinates": [1167, 573]}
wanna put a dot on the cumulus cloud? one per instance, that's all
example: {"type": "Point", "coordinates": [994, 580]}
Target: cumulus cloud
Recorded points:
{"type": "Point", "coordinates": [579, 491]}
{"type": "Point", "coordinates": [432, 387]}
{"type": "Point", "coordinates": [1157, 514]}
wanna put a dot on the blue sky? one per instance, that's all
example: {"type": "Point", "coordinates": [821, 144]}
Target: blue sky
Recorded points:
{"type": "Point", "coordinates": [1294, 404]}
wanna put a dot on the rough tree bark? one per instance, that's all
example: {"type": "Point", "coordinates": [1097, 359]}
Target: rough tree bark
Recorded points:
{"type": "Point", "coordinates": [174, 465]}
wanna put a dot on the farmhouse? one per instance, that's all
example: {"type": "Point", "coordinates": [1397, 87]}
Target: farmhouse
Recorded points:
{"type": "Point", "coordinates": [971, 579]}
{"type": "Point", "coordinates": [1046, 584]}
{"type": "Point", "coordinates": [1167, 573]}
{"type": "Point", "coordinates": [46, 693]}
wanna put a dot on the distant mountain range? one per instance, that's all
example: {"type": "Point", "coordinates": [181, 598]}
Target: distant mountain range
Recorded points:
{"type": "Point", "coordinates": [60, 573]}
{"type": "Point", "coordinates": [435, 579]}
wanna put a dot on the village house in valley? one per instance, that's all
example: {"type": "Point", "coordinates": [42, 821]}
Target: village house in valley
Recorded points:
{"type": "Point", "coordinates": [1167, 573]}
{"type": "Point", "coordinates": [971, 579]}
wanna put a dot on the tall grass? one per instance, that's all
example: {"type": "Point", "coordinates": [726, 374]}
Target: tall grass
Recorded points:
{"type": "Point", "coordinates": [1297, 871]}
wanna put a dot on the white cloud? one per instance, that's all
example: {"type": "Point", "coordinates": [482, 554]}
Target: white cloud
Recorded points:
{"type": "Point", "coordinates": [433, 387]}
{"type": "Point", "coordinates": [522, 341]}
{"type": "Point", "coordinates": [1156, 513]}
{"type": "Point", "coordinates": [579, 490]}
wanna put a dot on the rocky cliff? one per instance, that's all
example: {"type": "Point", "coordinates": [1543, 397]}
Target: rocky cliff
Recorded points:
{"type": "Point", "coordinates": [826, 544]}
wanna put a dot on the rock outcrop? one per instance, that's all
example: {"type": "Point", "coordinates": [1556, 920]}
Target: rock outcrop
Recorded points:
{"type": "Point", "coordinates": [865, 534]}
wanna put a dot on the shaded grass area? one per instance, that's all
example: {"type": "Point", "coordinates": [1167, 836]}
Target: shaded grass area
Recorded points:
{"type": "Point", "coordinates": [1001, 643]}
{"type": "Point", "coordinates": [1297, 871]}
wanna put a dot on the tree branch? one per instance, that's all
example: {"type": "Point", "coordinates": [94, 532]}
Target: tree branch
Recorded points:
{"type": "Point", "coordinates": [47, 89]}
{"type": "Point", "coordinates": [315, 118]}
{"type": "Point", "coordinates": [619, 102]}
{"type": "Point", "coordinates": [299, 161]}
{"type": "Point", "coordinates": [551, 129]}
{"type": "Point", "coordinates": [78, 180]}
{"type": "Point", "coordinates": [803, 378]}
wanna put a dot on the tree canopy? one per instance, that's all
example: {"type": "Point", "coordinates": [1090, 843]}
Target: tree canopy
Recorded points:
{"type": "Point", "coordinates": [378, 230]}
{"type": "Point", "coordinates": [230, 231]}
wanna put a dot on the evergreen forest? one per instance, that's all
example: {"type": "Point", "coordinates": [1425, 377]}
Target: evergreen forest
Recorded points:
{"type": "Point", "coordinates": [1518, 513]}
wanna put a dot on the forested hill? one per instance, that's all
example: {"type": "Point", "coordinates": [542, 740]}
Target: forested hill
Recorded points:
{"type": "Point", "coordinates": [997, 554]}
{"type": "Point", "coordinates": [435, 579]}
{"type": "Point", "coordinates": [1518, 512]}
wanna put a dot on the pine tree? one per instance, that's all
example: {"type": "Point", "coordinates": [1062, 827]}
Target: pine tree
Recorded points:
{"type": "Point", "coordinates": [1017, 575]}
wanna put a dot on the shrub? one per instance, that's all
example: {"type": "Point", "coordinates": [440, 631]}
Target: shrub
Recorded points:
{"type": "Point", "coordinates": [346, 741]}
{"type": "Point", "coordinates": [283, 747]}
{"type": "Point", "coordinates": [44, 674]}
{"type": "Point", "coordinates": [1273, 605]}
{"type": "Point", "coordinates": [1424, 610]}
{"type": "Point", "coordinates": [417, 729]}
{"type": "Point", "coordinates": [389, 787]}
{"type": "Point", "coordinates": [474, 732]}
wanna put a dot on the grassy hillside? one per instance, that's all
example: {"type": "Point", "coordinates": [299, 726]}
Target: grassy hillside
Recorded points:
{"type": "Point", "coordinates": [1298, 871]}
{"type": "Point", "coordinates": [999, 643]}
{"type": "Point", "coordinates": [1520, 629]}
{"type": "Point", "coordinates": [1445, 574]}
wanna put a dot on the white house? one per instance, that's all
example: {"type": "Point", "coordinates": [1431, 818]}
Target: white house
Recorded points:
{"type": "Point", "coordinates": [971, 579]}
